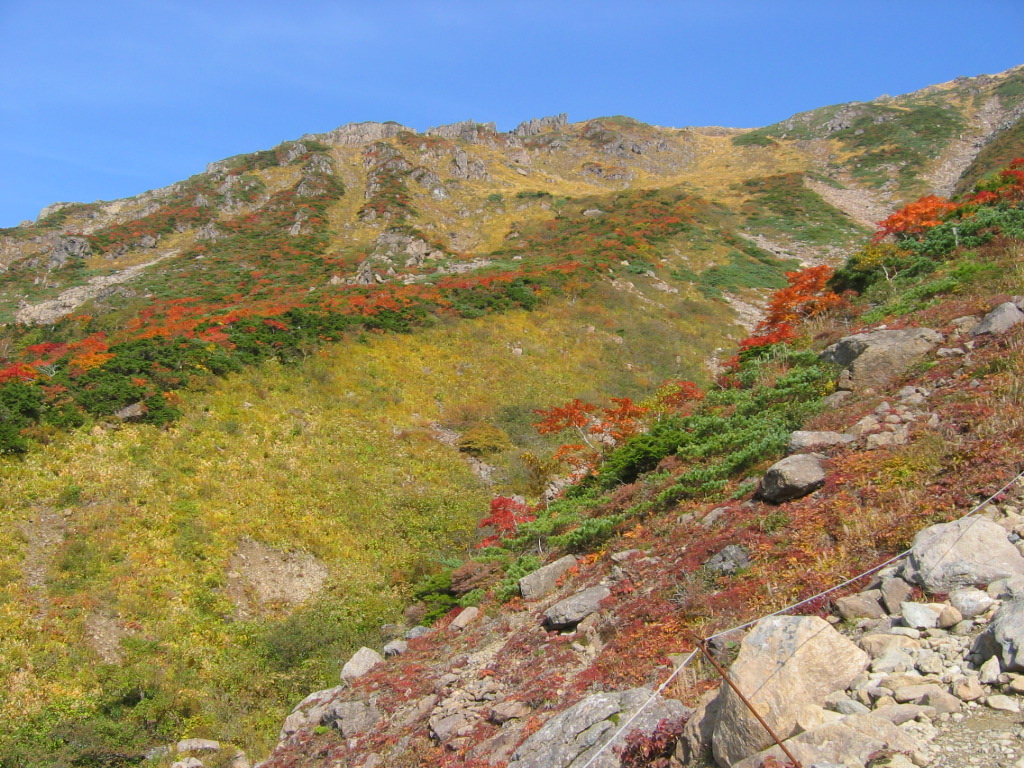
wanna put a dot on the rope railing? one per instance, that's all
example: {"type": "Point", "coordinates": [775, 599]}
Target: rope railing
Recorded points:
{"type": "Point", "coordinates": [870, 571]}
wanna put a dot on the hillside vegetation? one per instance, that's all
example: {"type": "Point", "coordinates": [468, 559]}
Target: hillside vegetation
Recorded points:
{"type": "Point", "coordinates": [251, 417]}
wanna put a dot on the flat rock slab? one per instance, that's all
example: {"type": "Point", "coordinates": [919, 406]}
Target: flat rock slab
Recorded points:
{"type": "Point", "coordinates": [970, 552]}
{"type": "Point", "coordinates": [571, 611]}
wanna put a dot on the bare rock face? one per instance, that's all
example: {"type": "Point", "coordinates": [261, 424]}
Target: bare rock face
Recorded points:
{"type": "Point", "coordinates": [571, 739]}
{"type": "Point", "coordinates": [874, 359]}
{"type": "Point", "coordinates": [540, 125]}
{"type": "Point", "coordinates": [972, 552]}
{"type": "Point", "coordinates": [791, 478]}
{"type": "Point", "coordinates": [357, 134]}
{"type": "Point", "coordinates": [787, 665]}
{"type": "Point", "coordinates": [68, 249]}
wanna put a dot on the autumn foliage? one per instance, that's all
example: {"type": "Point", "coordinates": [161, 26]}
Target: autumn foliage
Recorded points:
{"type": "Point", "coordinates": [805, 296]}
{"type": "Point", "coordinates": [914, 218]}
{"type": "Point", "coordinates": [505, 516]}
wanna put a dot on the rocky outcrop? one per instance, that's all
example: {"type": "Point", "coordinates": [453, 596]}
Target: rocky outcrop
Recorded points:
{"type": "Point", "coordinates": [572, 738]}
{"type": "Point", "coordinates": [538, 125]}
{"type": "Point", "coordinates": [791, 478]}
{"type": "Point", "coordinates": [66, 250]}
{"type": "Point", "coordinates": [787, 665]}
{"type": "Point", "coordinates": [358, 134]}
{"type": "Point", "coordinates": [873, 359]}
{"type": "Point", "coordinates": [970, 552]}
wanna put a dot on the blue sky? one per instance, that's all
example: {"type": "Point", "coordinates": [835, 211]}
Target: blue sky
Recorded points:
{"type": "Point", "coordinates": [106, 99]}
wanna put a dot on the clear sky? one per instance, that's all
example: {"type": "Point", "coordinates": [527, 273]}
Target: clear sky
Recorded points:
{"type": "Point", "coordinates": [101, 99]}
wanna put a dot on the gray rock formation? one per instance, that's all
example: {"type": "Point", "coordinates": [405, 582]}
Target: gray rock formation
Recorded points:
{"type": "Point", "coordinates": [873, 359]}
{"type": "Point", "coordinates": [66, 250]}
{"type": "Point", "coordinates": [791, 478]}
{"type": "Point", "coordinates": [786, 665]}
{"type": "Point", "coordinates": [573, 610]}
{"type": "Point", "coordinates": [542, 582]}
{"type": "Point", "coordinates": [466, 130]}
{"type": "Point", "coordinates": [357, 134]}
{"type": "Point", "coordinates": [573, 737]}
{"type": "Point", "coordinates": [1007, 630]}
{"type": "Point", "coordinates": [972, 552]}
{"type": "Point", "coordinates": [540, 125]}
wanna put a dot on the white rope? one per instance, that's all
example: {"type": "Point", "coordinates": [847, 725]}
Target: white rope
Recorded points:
{"type": "Point", "coordinates": [689, 659]}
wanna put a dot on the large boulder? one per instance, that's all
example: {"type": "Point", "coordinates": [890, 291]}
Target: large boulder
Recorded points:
{"type": "Point", "coordinates": [1007, 632]}
{"type": "Point", "coordinates": [573, 610]}
{"type": "Point", "coordinates": [787, 666]}
{"type": "Point", "coordinates": [573, 737]}
{"type": "Point", "coordinates": [791, 478]}
{"type": "Point", "coordinates": [999, 320]}
{"type": "Point", "coordinates": [542, 582]}
{"type": "Point", "coordinates": [362, 661]}
{"type": "Point", "coordinates": [873, 359]}
{"type": "Point", "coordinates": [850, 741]}
{"type": "Point", "coordinates": [971, 552]}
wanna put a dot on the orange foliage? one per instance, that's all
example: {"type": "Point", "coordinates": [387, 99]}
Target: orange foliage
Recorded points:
{"type": "Point", "coordinates": [804, 297]}
{"type": "Point", "coordinates": [914, 218]}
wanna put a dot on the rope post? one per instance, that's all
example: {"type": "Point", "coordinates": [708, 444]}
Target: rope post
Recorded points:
{"type": "Point", "coordinates": [718, 668]}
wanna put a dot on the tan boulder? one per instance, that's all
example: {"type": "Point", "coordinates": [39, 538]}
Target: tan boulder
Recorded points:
{"type": "Point", "coordinates": [786, 665]}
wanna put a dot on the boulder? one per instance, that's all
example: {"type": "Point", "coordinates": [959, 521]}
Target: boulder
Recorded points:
{"type": "Point", "coordinates": [572, 738]}
{"type": "Point", "coordinates": [970, 601]}
{"type": "Point", "coordinates": [464, 619]}
{"type": "Point", "coordinates": [970, 552]}
{"type": "Point", "coordinates": [1007, 630]}
{"type": "Point", "coordinates": [786, 664]}
{"type": "Point", "coordinates": [894, 592]}
{"type": "Point", "coordinates": [873, 359]}
{"type": "Point", "coordinates": [850, 741]}
{"type": "Point", "coordinates": [542, 582]}
{"type": "Point", "coordinates": [732, 559]}
{"type": "Point", "coordinates": [813, 441]}
{"type": "Point", "coordinates": [352, 718]}
{"type": "Point", "coordinates": [362, 661]}
{"type": "Point", "coordinates": [395, 648]}
{"type": "Point", "coordinates": [791, 478]}
{"type": "Point", "coordinates": [860, 606]}
{"type": "Point", "coordinates": [571, 611]}
{"type": "Point", "coordinates": [999, 320]}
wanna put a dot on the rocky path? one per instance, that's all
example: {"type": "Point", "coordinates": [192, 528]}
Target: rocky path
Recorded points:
{"type": "Point", "coordinates": [51, 310]}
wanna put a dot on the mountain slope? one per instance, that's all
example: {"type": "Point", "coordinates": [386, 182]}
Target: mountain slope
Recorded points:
{"type": "Point", "coordinates": [283, 392]}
